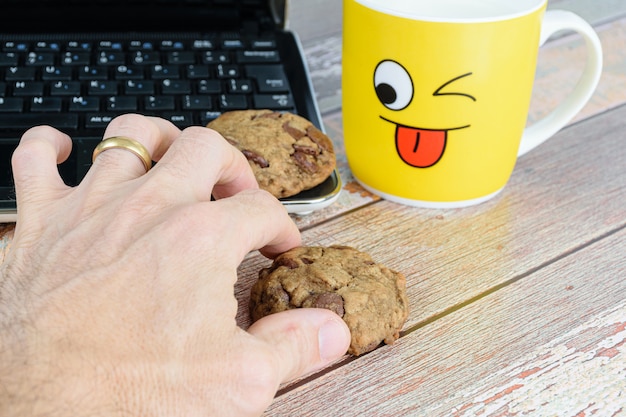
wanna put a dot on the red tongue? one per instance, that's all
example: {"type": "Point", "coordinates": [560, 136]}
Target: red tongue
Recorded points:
{"type": "Point", "coordinates": [420, 148]}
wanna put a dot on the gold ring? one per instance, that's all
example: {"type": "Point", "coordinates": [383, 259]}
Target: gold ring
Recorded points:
{"type": "Point", "coordinates": [129, 144]}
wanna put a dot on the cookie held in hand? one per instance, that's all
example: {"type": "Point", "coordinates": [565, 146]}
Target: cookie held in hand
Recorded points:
{"type": "Point", "coordinates": [287, 153]}
{"type": "Point", "coordinates": [370, 297]}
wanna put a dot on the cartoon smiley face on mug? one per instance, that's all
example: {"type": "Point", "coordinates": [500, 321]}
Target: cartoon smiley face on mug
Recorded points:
{"type": "Point", "coordinates": [420, 146]}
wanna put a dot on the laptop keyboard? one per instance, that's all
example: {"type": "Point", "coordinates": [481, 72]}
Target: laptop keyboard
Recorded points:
{"type": "Point", "coordinates": [80, 86]}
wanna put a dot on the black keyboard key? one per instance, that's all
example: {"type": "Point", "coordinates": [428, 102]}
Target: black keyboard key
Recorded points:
{"type": "Point", "coordinates": [39, 58]}
{"type": "Point", "coordinates": [76, 58]}
{"type": "Point", "coordinates": [122, 103]}
{"type": "Point", "coordinates": [145, 58]}
{"type": "Point", "coordinates": [209, 116]}
{"type": "Point", "coordinates": [20, 74]}
{"type": "Point", "coordinates": [232, 44]}
{"type": "Point", "coordinates": [90, 73]}
{"type": "Point", "coordinates": [131, 72]}
{"type": "Point", "coordinates": [53, 73]}
{"type": "Point", "coordinates": [273, 101]}
{"type": "Point", "coordinates": [181, 57]}
{"type": "Point", "coordinates": [175, 87]}
{"type": "Point", "coordinates": [46, 104]}
{"type": "Point", "coordinates": [105, 45]}
{"type": "Point", "coordinates": [76, 46]}
{"type": "Point", "coordinates": [139, 87]}
{"type": "Point", "coordinates": [257, 57]}
{"type": "Point", "coordinates": [227, 71]}
{"type": "Point", "coordinates": [82, 104]}
{"type": "Point", "coordinates": [98, 120]}
{"type": "Point", "coordinates": [233, 102]}
{"type": "Point", "coordinates": [102, 88]}
{"type": "Point", "coordinates": [203, 44]}
{"type": "Point", "coordinates": [170, 45]}
{"type": "Point", "coordinates": [8, 59]}
{"type": "Point", "coordinates": [11, 104]}
{"type": "Point", "coordinates": [138, 45]}
{"type": "Point", "coordinates": [11, 46]}
{"type": "Point", "coordinates": [111, 58]}
{"type": "Point", "coordinates": [162, 72]}
{"type": "Point", "coordinates": [152, 103]}
{"type": "Point", "coordinates": [27, 120]}
{"type": "Point", "coordinates": [43, 46]}
{"type": "Point", "coordinates": [196, 102]}
{"type": "Point", "coordinates": [209, 87]}
{"type": "Point", "coordinates": [263, 44]}
{"type": "Point", "coordinates": [28, 88]}
{"type": "Point", "coordinates": [180, 119]}
{"type": "Point", "coordinates": [239, 86]}
{"type": "Point", "coordinates": [65, 88]}
{"type": "Point", "coordinates": [269, 78]}
{"type": "Point", "coordinates": [215, 57]}
{"type": "Point", "coordinates": [197, 72]}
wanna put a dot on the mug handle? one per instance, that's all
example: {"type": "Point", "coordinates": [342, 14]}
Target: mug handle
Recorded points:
{"type": "Point", "coordinates": [555, 21]}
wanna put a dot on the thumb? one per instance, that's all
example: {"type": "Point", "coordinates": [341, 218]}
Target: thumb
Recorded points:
{"type": "Point", "coordinates": [304, 340]}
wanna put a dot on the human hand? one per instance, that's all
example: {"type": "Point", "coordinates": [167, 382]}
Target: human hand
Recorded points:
{"type": "Point", "coordinates": [116, 297]}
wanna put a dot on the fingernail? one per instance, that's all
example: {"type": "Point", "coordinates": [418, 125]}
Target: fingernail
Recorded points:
{"type": "Point", "coordinates": [334, 339]}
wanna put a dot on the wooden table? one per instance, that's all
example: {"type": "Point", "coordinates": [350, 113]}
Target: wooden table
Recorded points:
{"type": "Point", "coordinates": [518, 305]}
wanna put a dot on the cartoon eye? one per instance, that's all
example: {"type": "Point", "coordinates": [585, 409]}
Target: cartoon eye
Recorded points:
{"type": "Point", "coordinates": [393, 85]}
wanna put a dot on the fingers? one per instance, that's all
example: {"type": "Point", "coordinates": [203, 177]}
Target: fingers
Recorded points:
{"type": "Point", "coordinates": [258, 218]}
{"type": "Point", "coordinates": [228, 229]}
{"type": "Point", "coordinates": [34, 162]}
{"type": "Point", "coordinates": [202, 162]}
{"type": "Point", "coordinates": [156, 135]}
{"type": "Point", "coordinates": [303, 340]}
{"type": "Point", "coordinates": [192, 165]}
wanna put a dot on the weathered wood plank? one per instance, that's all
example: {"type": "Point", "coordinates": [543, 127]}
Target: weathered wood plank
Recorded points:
{"type": "Point", "coordinates": [551, 344]}
{"type": "Point", "coordinates": [595, 12]}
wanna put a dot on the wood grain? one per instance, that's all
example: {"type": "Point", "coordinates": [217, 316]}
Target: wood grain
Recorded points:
{"type": "Point", "coordinates": [550, 344]}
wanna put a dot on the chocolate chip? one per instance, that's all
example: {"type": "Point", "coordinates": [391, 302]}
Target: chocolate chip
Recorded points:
{"type": "Point", "coordinates": [273, 115]}
{"type": "Point", "coordinates": [293, 132]}
{"type": "Point", "coordinates": [328, 300]}
{"type": "Point", "coordinates": [303, 162]}
{"type": "Point", "coordinates": [256, 158]}
{"type": "Point", "coordinates": [279, 295]}
{"type": "Point", "coordinates": [286, 261]}
{"type": "Point", "coordinates": [318, 137]}
{"type": "Point", "coordinates": [308, 150]}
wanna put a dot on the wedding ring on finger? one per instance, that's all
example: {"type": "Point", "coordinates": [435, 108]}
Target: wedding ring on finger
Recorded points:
{"type": "Point", "coordinates": [122, 142]}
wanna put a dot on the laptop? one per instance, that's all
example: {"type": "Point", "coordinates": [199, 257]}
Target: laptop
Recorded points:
{"type": "Point", "coordinates": [76, 64]}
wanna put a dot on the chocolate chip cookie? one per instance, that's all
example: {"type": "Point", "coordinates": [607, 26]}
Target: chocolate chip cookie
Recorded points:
{"type": "Point", "coordinates": [286, 152]}
{"type": "Point", "coordinates": [370, 297]}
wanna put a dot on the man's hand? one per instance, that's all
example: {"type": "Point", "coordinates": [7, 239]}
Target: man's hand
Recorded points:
{"type": "Point", "coordinates": [116, 298]}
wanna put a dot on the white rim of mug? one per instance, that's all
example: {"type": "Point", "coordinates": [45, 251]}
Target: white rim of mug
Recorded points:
{"type": "Point", "coordinates": [429, 204]}
{"type": "Point", "coordinates": [384, 8]}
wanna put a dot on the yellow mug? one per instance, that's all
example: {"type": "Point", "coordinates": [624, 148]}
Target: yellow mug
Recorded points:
{"type": "Point", "coordinates": [436, 94]}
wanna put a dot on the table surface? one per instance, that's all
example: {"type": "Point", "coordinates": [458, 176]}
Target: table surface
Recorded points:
{"type": "Point", "coordinates": [518, 305]}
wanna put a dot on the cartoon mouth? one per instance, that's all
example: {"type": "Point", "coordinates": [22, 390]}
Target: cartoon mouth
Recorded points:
{"type": "Point", "coordinates": [421, 148]}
